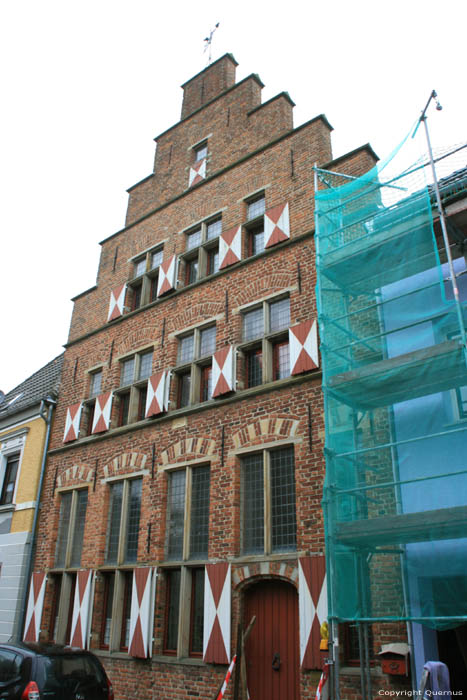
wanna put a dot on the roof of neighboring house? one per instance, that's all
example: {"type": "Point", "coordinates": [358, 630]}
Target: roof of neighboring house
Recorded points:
{"type": "Point", "coordinates": [44, 382]}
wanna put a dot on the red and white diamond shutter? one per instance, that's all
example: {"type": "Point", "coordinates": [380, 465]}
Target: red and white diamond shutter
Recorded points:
{"type": "Point", "coordinates": [157, 399]}
{"type": "Point", "coordinates": [117, 302]}
{"type": "Point", "coordinates": [80, 622]}
{"type": "Point", "coordinates": [73, 417]}
{"type": "Point", "coordinates": [313, 608]}
{"type": "Point", "coordinates": [216, 634]}
{"type": "Point", "coordinates": [167, 279]}
{"type": "Point", "coordinates": [34, 610]}
{"type": "Point", "coordinates": [303, 347]}
{"type": "Point", "coordinates": [102, 409]}
{"type": "Point", "coordinates": [230, 247]}
{"type": "Point", "coordinates": [142, 613]}
{"type": "Point", "coordinates": [276, 225]}
{"type": "Point", "coordinates": [223, 371]}
{"type": "Point", "coordinates": [197, 172]}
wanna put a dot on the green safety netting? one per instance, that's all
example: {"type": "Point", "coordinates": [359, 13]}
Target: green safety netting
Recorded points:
{"type": "Point", "coordinates": [395, 386]}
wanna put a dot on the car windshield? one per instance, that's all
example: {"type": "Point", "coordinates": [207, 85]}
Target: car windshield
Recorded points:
{"type": "Point", "coordinates": [70, 672]}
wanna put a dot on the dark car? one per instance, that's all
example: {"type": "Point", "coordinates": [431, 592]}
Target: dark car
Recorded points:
{"type": "Point", "coordinates": [38, 671]}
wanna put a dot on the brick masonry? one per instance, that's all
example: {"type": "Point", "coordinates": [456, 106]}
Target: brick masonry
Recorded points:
{"type": "Point", "coordinates": [251, 147]}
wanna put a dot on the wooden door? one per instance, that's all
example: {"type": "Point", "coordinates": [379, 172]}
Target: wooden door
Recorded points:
{"type": "Point", "coordinates": [272, 651]}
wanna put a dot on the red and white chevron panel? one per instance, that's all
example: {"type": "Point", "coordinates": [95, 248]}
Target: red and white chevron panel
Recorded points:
{"type": "Point", "coordinates": [102, 409]}
{"type": "Point", "coordinates": [34, 610]}
{"type": "Point", "coordinates": [80, 622]}
{"type": "Point", "coordinates": [313, 608]}
{"type": "Point", "coordinates": [157, 399]}
{"type": "Point", "coordinates": [223, 371]}
{"type": "Point", "coordinates": [117, 302]}
{"type": "Point", "coordinates": [142, 614]}
{"type": "Point", "coordinates": [303, 347]}
{"type": "Point", "coordinates": [167, 279]}
{"type": "Point", "coordinates": [73, 417]}
{"type": "Point", "coordinates": [197, 172]}
{"type": "Point", "coordinates": [276, 225]}
{"type": "Point", "coordinates": [230, 247]}
{"type": "Point", "coordinates": [216, 633]}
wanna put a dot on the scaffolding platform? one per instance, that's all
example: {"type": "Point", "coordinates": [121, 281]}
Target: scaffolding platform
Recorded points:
{"type": "Point", "coordinates": [440, 524]}
{"type": "Point", "coordinates": [408, 376]}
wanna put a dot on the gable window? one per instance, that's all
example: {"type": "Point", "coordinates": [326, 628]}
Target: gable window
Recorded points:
{"type": "Point", "coordinates": [142, 287]}
{"type": "Point", "coordinates": [201, 151]}
{"type": "Point", "coordinates": [134, 372]}
{"type": "Point", "coordinates": [201, 257]}
{"type": "Point", "coordinates": [265, 346]}
{"type": "Point", "coordinates": [187, 539]}
{"type": "Point", "coordinates": [194, 360]}
{"type": "Point", "coordinates": [9, 480]}
{"type": "Point", "coordinates": [268, 502]}
{"type": "Point", "coordinates": [95, 388]}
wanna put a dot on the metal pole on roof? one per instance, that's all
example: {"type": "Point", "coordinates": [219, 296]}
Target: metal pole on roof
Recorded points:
{"type": "Point", "coordinates": [442, 219]}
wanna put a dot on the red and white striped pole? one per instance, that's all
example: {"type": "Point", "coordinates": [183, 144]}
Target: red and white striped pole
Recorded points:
{"type": "Point", "coordinates": [227, 679]}
{"type": "Point", "coordinates": [322, 691]}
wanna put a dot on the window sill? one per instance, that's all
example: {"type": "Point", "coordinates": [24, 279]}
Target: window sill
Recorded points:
{"type": "Point", "coordinates": [8, 507]}
{"type": "Point", "coordinates": [356, 671]}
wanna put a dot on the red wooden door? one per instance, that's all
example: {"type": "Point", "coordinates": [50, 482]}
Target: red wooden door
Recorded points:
{"type": "Point", "coordinates": [272, 651]}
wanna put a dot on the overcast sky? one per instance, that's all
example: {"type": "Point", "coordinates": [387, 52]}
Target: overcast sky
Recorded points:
{"type": "Point", "coordinates": [87, 85]}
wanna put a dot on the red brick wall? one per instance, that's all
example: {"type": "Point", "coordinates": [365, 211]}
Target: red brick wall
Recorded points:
{"type": "Point", "coordinates": [235, 126]}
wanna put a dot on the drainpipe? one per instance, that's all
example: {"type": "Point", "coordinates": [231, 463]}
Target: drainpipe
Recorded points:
{"type": "Point", "coordinates": [46, 412]}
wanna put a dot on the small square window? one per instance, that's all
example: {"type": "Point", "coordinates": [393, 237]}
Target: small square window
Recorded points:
{"type": "Point", "coordinates": [253, 324]}
{"type": "Point", "coordinates": [207, 345]}
{"type": "Point", "coordinates": [193, 239]}
{"type": "Point", "coordinates": [201, 151]}
{"type": "Point", "coordinates": [145, 365]}
{"type": "Point", "coordinates": [256, 207]}
{"type": "Point", "coordinates": [213, 229]}
{"type": "Point", "coordinates": [156, 259]}
{"type": "Point", "coordinates": [140, 267]}
{"type": "Point", "coordinates": [127, 371]}
{"type": "Point", "coordinates": [186, 348]}
{"type": "Point", "coordinates": [95, 384]}
{"type": "Point", "coordinates": [279, 315]}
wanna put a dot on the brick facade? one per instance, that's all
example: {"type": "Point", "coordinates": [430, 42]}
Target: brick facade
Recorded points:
{"type": "Point", "coordinates": [252, 150]}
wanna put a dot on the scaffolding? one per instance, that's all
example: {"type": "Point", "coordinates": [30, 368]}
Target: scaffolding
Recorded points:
{"type": "Point", "coordinates": [392, 309]}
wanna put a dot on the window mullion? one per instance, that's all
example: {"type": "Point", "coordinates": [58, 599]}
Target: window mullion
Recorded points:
{"type": "Point", "coordinates": [183, 641]}
{"type": "Point", "coordinates": [186, 519]}
{"type": "Point", "coordinates": [123, 523]}
{"type": "Point", "coordinates": [267, 503]}
{"type": "Point", "coordinates": [71, 528]}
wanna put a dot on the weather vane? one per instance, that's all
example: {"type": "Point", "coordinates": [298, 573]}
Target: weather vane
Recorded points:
{"type": "Point", "coordinates": [208, 42]}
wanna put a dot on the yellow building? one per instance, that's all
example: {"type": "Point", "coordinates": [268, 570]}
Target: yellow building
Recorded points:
{"type": "Point", "coordinates": [26, 414]}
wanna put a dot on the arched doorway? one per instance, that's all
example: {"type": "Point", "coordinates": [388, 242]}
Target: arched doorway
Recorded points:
{"type": "Point", "coordinates": [272, 650]}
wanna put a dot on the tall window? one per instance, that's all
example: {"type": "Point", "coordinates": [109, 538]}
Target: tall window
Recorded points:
{"type": "Point", "coordinates": [123, 521]}
{"type": "Point", "coordinates": [142, 287]}
{"type": "Point", "coordinates": [268, 502]}
{"type": "Point", "coordinates": [73, 505]}
{"type": "Point", "coordinates": [265, 346]}
{"type": "Point", "coordinates": [188, 514]}
{"type": "Point", "coordinates": [131, 396]}
{"type": "Point", "coordinates": [194, 365]}
{"type": "Point", "coordinates": [187, 540]}
{"type": "Point", "coordinates": [201, 257]}
{"type": "Point", "coordinates": [95, 388]}
{"type": "Point", "coordinates": [68, 551]}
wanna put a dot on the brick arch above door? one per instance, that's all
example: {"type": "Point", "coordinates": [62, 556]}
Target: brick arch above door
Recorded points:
{"type": "Point", "coordinates": [243, 576]}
